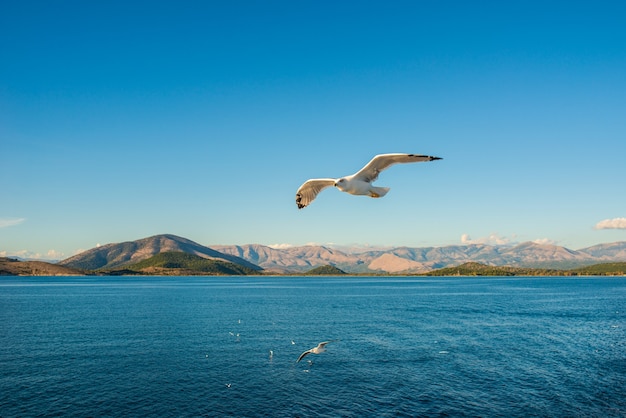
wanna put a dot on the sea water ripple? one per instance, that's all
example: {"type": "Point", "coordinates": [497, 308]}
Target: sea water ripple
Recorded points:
{"type": "Point", "coordinates": [190, 346]}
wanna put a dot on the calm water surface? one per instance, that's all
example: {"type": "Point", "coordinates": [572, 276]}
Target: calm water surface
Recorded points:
{"type": "Point", "coordinates": [406, 347]}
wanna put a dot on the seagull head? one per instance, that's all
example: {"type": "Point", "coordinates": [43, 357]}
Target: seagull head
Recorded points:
{"type": "Point", "coordinates": [340, 183]}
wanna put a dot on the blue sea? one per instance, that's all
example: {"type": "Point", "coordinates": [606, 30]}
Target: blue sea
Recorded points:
{"type": "Point", "coordinates": [227, 346]}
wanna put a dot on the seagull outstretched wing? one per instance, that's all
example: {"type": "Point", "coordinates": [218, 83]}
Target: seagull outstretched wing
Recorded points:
{"type": "Point", "coordinates": [307, 352]}
{"type": "Point", "coordinates": [321, 347]}
{"type": "Point", "coordinates": [370, 172]}
{"type": "Point", "coordinates": [310, 189]}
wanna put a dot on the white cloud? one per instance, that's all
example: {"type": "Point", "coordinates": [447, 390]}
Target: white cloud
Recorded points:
{"type": "Point", "coordinates": [51, 255]}
{"type": "Point", "coordinates": [616, 223]}
{"type": "Point", "coordinates": [466, 239]}
{"type": "Point", "coordinates": [280, 246]}
{"type": "Point", "coordinates": [54, 255]}
{"type": "Point", "coordinates": [545, 241]}
{"type": "Point", "coordinates": [4, 222]}
{"type": "Point", "coordinates": [491, 239]}
{"type": "Point", "coordinates": [21, 254]}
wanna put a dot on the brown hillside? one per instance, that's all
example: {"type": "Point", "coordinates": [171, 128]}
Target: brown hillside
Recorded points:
{"type": "Point", "coordinates": [11, 267]}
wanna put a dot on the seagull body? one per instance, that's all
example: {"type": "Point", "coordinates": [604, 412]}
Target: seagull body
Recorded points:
{"type": "Point", "coordinates": [321, 347]}
{"type": "Point", "coordinates": [359, 183]}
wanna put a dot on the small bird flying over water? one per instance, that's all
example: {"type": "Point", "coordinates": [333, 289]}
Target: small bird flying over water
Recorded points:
{"type": "Point", "coordinates": [359, 183]}
{"type": "Point", "coordinates": [321, 347]}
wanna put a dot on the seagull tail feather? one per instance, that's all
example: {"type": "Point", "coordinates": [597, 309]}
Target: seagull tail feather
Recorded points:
{"type": "Point", "coordinates": [378, 191]}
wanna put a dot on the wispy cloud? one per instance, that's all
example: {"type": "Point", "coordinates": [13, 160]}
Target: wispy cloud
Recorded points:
{"type": "Point", "coordinates": [491, 239]}
{"type": "Point", "coordinates": [545, 241]}
{"type": "Point", "coordinates": [616, 223]}
{"type": "Point", "coordinates": [20, 254]}
{"type": "Point", "coordinates": [5, 222]}
{"type": "Point", "coordinates": [54, 255]}
{"type": "Point", "coordinates": [51, 255]}
{"type": "Point", "coordinates": [280, 246]}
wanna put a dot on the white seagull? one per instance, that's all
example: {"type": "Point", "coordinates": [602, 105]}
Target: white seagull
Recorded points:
{"type": "Point", "coordinates": [321, 347]}
{"type": "Point", "coordinates": [359, 183]}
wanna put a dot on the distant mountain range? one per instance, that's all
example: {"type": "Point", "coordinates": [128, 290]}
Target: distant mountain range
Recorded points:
{"type": "Point", "coordinates": [304, 258]}
{"type": "Point", "coordinates": [421, 260]}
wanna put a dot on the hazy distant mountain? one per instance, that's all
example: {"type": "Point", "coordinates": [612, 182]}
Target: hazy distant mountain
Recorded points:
{"type": "Point", "coordinates": [126, 253]}
{"type": "Point", "coordinates": [295, 259]}
{"type": "Point", "coordinates": [532, 254]}
{"type": "Point", "coordinates": [419, 260]}
{"type": "Point", "coordinates": [392, 260]}
{"type": "Point", "coordinates": [392, 263]}
{"type": "Point", "coordinates": [607, 252]}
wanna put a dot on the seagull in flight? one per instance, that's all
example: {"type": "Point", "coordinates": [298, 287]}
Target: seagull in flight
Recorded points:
{"type": "Point", "coordinates": [321, 347]}
{"type": "Point", "coordinates": [359, 183]}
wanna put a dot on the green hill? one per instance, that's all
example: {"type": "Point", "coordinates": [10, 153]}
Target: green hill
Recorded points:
{"type": "Point", "coordinates": [608, 269]}
{"type": "Point", "coordinates": [325, 271]}
{"type": "Point", "coordinates": [179, 263]}
{"type": "Point", "coordinates": [478, 269]}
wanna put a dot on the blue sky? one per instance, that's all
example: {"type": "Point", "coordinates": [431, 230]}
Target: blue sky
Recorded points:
{"type": "Point", "coordinates": [122, 120]}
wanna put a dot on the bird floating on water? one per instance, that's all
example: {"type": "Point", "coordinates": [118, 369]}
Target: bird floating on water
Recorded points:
{"type": "Point", "coordinates": [321, 347]}
{"type": "Point", "coordinates": [359, 183]}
